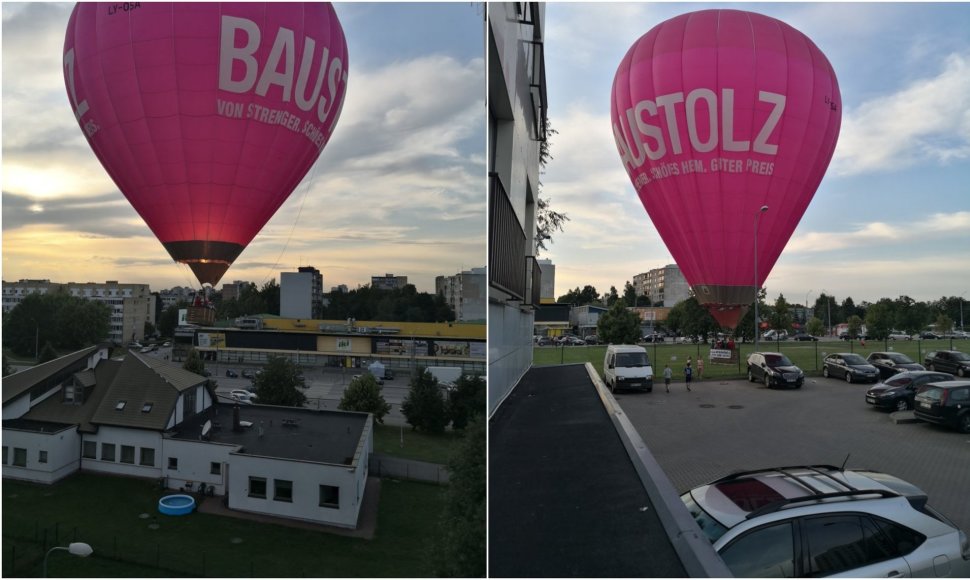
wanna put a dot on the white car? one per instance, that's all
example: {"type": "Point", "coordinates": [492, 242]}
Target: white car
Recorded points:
{"type": "Point", "coordinates": [819, 520]}
{"type": "Point", "coordinates": [896, 335]}
{"type": "Point", "coordinates": [243, 396]}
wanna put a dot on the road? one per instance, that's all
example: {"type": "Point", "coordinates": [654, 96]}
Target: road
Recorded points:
{"type": "Point", "coordinates": [725, 426]}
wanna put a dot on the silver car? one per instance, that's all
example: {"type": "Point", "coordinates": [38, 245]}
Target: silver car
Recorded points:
{"type": "Point", "coordinates": [824, 521]}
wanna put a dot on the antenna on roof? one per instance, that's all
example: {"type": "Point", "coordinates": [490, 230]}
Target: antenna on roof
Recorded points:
{"type": "Point", "coordinates": [206, 428]}
{"type": "Point", "coordinates": [844, 462]}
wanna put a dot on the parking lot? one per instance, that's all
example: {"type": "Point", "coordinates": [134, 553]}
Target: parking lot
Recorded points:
{"type": "Point", "coordinates": [725, 426]}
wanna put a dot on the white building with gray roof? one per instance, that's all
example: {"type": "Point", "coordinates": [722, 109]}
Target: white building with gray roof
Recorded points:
{"type": "Point", "coordinates": [145, 417]}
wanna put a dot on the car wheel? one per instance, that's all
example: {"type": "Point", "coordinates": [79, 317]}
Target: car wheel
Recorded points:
{"type": "Point", "coordinates": [613, 386]}
{"type": "Point", "coordinates": [767, 380]}
{"type": "Point", "coordinates": [750, 376]}
{"type": "Point", "coordinates": [960, 372]}
{"type": "Point", "coordinates": [964, 424]}
{"type": "Point", "coordinates": [902, 405]}
{"type": "Point", "coordinates": [933, 368]}
{"type": "Point", "coordinates": [848, 377]}
{"type": "Point", "coordinates": [825, 372]}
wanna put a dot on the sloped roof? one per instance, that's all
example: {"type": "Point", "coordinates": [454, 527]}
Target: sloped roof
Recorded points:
{"type": "Point", "coordinates": [54, 410]}
{"type": "Point", "coordinates": [140, 380]}
{"type": "Point", "coordinates": [17, 384]}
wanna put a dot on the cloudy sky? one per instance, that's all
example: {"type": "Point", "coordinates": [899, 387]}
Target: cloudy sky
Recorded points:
{"type": "Point", "coordinates": [398, 189]}
{"type": "Point", "coordinates": [892, 215]}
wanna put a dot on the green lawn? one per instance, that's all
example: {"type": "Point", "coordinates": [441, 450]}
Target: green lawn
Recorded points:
{"type": "Point", "coordinates": [104, 512]}
{"type": "Point", "coordinates": [417, 444]}
{"type": "Point", "coordinates": [806, 355]}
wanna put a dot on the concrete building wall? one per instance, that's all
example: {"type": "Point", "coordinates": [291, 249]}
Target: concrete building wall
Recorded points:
{"type": "Point", "coordinates": [62, 454]}
{"type": "Point", "coordinates": [515, 37]}
{"type": "Point", "coordinates": [192, 462]}
{"type": "Point", "coordinates": [117, 436]}
{"type": "Point", "coordinates": [296, 295]}
{"type": "Point", "coordinates": [666, 285]}
{"type": "Point", "coordinates": [547, 293]}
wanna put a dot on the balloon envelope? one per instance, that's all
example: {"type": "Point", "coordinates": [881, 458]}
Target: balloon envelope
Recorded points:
{"type": "Point", "coordinates": [716, 114]}
{"type": "Point", "coordinates": [206, 115]}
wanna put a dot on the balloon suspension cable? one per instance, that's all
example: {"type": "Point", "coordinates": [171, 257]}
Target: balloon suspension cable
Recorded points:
{"type": "Point", "coordinates": [306, 192]}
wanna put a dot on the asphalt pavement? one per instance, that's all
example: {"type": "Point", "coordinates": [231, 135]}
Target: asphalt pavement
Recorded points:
{"type": "Point", "coordinates": [725, 426]}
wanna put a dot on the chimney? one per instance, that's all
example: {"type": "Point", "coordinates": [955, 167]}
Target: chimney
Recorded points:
{"type": "Point", "coordinates": [235, 418]}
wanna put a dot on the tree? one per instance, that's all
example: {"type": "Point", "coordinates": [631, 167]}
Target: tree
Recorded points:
{"type": "Point", "coordinates": [424, 407]}
{"type": "Point", "coordinates": [944, 324]}
{"type": "Point", "coordinates": [364, 395]}
{"type": "Point", "coordinates": [879, 319]}
{"type": "Point", "coordinates": [547, 220]}
{"type": "Point", "coordinates": [169, 319]}
{"type": "Point", "coordinates": [280, 383]}
{"type": "Point", "coordinates": [855, 325]}
{"type": "Point", "coordinates": [460, 548]}
{"type": "Point", "coordinates": [47, 353]}
{"type": "Point", "coordinates": [629, 294]}
{"type": "Point", "coordinates": [828, 310]}
{"type": "Point", "coordinates": [466, 400]}
{"type": "Point", "coordinates": [67, 322]}
{"type": "Point", "coordinates": [587, 295]}
{"type": "Point", "coordinates": [618, 325]}
{"type": "Point", "coordinates": [781, 317]}
{"type": "Point", "coordinates": [849, 309]}
{"type": "Point", "coordinates": [149, 329]}
{"type": "Point", "coordinates": [613, 297]}
{"type": "Point", "coordinates": [193, 363]}
{"type": "Point", "coordinates": [815, 326]}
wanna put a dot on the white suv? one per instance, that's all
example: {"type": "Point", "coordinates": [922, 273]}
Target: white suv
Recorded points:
{"type": "Point", "coordinates": [820, 520]}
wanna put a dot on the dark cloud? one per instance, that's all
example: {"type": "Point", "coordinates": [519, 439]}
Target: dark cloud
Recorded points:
{"type": "Point", "coordinates": [106, 215]}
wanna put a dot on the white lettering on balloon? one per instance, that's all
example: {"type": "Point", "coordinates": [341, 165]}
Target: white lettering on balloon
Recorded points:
{"type": "Point", "coordinates": [653, 127]}
{"type": "Point", "coordinates": [285, 119]}
{"type": "Point", "coordinates": [280, 69]}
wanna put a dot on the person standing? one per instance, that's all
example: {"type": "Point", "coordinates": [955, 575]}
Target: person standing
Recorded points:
{"type": "Point", "coordinates": [688, 373]}
{"type": "Point", "coordinates": [700, 368]}
{"type": "Point", "coordinates": [668, 374]}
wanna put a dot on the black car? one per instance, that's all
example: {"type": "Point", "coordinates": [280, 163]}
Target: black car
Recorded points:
{"type": "Point", "coordinates": [592, 339]}
{"type": "Point", "coordinates": [803, 336]}
{"type": "Point", "coordinates": [890, 363]}
{"type": "Point", "coordinates": [849, 366]}
{"type": "Point", "coordinates": [231, 373]}
{"type": "Point", "coordinates": [929, 336]}
{"type": "Point", "coordinates": [897, 392]}
{"type": "Point", "coordinates": [946, 403]}
{"type": "Point", "coordinates": [655, 337]}
{"type": "Point", "coordinates": [949, 361]}
{"type": "Point", "coordinates": [774, 369]}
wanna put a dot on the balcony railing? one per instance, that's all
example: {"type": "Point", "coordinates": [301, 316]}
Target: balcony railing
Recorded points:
{"type": "Point", "coordinates": [534, 275]}
{"type": "Point", "coordinates": [506, 243]}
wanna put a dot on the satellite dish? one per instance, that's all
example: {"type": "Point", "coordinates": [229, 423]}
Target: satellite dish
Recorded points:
{"type": "Point", "coordinates": [206, 428]}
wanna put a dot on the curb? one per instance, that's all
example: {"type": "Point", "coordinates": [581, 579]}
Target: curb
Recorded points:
{"type": "Point", "coordinates": [903, 417]}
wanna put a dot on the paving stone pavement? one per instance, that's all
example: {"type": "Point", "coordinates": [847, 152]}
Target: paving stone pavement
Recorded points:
{"type": "Point", "coordinates": [725, 426]}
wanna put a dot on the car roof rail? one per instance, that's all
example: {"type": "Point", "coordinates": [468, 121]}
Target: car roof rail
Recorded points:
{"type": "Point", "coordinates": [777, 505]}
{"type": "Point", "coordinates": [783, 470]}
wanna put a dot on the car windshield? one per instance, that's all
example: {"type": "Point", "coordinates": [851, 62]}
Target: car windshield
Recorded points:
{"type": "Point", "coordinates": [899, 358]}
{"type": "Point", "coordinates": [777, 360]}
{"type": "Point", "coordinates": [632, 359]}
{"type": "Point", "coordinates": [854, 359]}
{"type": "Point", "coordinates": [961, 356]}
{"type": "Point", "coordinates": [900, 380]}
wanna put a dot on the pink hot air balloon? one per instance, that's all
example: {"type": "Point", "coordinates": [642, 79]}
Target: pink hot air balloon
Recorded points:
{"type": "Point", "coordinates": [716, 114]}
{"type": "Point", "coordinates": [206, 115]}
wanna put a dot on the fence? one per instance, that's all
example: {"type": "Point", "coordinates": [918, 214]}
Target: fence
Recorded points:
{"type": "Point", "coordinates": [386, 466]}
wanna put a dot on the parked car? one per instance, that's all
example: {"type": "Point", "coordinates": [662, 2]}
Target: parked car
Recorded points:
{"type": "Point", "coordinates": [949, 361]}
{"type": "Point", "coordinates": [231, 373]}
{"type": "Point", "coordinates": [573, 341]}
{"type": "Point", "coordinates": [207, 372]}
{"type": "Point", "coordinates": [592, 339]}
{"type": "Point", "coordinates": [242, 397]}
{"type": "Point", "coordinates": [819, 520]}
{"type": "Point", "coordinates": [248, 374]}
{"type": "Point", "coordinates": [805, 337]}
{"type": "Point", "coordinates": [245, 393]}
{"type": "Point", "coordinates": [897, 335]}
{"type": "Point", "coordinates": [545, 341]}
{"type": "Point", "coordinates": [897, 392]}
{"type": "Point", "coordinates": [890, 363]}
{"type": "Point", "coordinates": [627, 366]}
{"type": "Point", "coordinates": [775, 335]}
{"type": "Point", "coordinates": [945, 403]}
{"type": "Point", "coordinates": [929, 336]}
{"type": "Point", "coordinates": [849, 366]}
{"type": "Point", "coordinates": [654, 337]}
{"type": "Point", "coordinates": [774, 369]}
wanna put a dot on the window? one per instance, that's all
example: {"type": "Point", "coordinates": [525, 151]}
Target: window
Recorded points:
{"type": "Point", "coordinates": [147, 407]}
{"type": "Point", "coordinates": [835, 544]}
{"type": "Point", "coordinates": [215, 468]}
{"type": "Point", "coordinates": [42, 457]}
{"type": "Point", "coordinates": [121, 405]}
{"type": "Point", "coordinates": [961, 394]}
{"type": "Point", "coordinates": [147, 457]}
{"type": "Point", "coordinates": [173, 463]}
{"type": "Point", "coordinates": [902, 540]}
{"type": "Point", "coordinates": [19, 457]}
{"type": "Point", "coordinates": [188, 403]}
{"type": "Point", "coordinates": [766, 552]}
{"type": "Point", "coordinates": [127, 454]}
{"type": "Point", "coordinates": [282, 490]}
{"type": "Point", "coordinates": [329, 496]}
{"type": "Point", "coordinates": [107, 452]}
{"type": "Point", "coordinates": [4, 454]}
{"type": "Point", "coordinates": [89, 450]}
{"type": "Point", "coordinates": [257, 487]}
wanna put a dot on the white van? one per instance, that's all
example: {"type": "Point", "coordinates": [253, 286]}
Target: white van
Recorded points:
{"type": "Point", "coordinates": [627, 366]}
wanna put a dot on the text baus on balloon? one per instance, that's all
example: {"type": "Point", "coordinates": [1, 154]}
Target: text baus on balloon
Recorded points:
{"type": "Point", "coordinates": [720, 113]}
{"type": "Point", "coordinates": [293, 83]}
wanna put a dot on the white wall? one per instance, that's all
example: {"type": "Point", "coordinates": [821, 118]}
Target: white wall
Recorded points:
{"type": "Point", "coordinates": [63, 454]}
{"type": "Point", "coordinates": [17, 407]}
{"type": "Point", "coordinates": [306, 478]}
{"type": "Point", "coordinates": [195, 460]}
{"type": "Point", "coordinates": [509, 350]}
{"type": "Point", "coordinates": [296, 295]}
{"type": "Point", "coordinates": [119, 436]}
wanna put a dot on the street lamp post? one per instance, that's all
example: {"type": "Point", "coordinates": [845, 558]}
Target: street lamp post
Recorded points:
{"type": "Point", "coordinates": [75, 548]}
{"type": "Point", "coordinates": [757, 286]}
{"type": "Point", "coordinates": [962, 328]}
{"type": "Point", "coordinates": [806, 306]}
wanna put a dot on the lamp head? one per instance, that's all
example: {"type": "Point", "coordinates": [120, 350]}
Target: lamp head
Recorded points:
{"type": "Point", "coordinates": [80, 549]}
